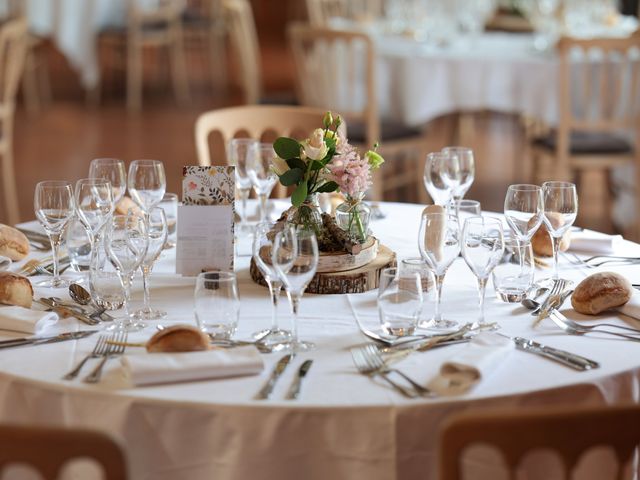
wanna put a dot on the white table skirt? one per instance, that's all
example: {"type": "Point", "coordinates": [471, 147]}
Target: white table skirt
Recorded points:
{"type": "Point", "coordinates": [345, 425]}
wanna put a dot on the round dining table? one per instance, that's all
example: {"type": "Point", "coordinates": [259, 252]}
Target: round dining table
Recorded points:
{"type": "Point", "coordinates": [344, 425]}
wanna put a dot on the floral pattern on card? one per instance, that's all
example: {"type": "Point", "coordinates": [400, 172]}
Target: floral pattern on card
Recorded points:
{"type": "Point", "coordinates": [208, 185]}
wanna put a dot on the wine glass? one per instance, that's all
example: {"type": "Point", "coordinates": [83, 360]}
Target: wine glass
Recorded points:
{"type": "Point", "coordinates": [523, 210]}
{"type": "Point", "coordinates": [147, 183]}
{"type": "Point", "coordinates": [560, 203]}
{"type": "Point", "coordinates": [94, 205]}
{"type": "Point", "coordinates": [242, 151]}
{"type": "Point", "coordinates": [440, 178]}
{"type": "Point", "coordinates": [113, 170]}
{"type": "Point", "coordinates": [462, 164]}
{"type": "Point", "coordinates": [262, 176]}
{"type": "Point", "coordinates": [263, 242]}
{"type": "Point", "coordinates": [439, 246]}
{"type": "Point", "coordinates": [295, 258]}
{"type": "Point", "coordinates": [126, 242]}
{"type": "Point", "coordinates": [157, 231]}
{"type": "Point", "coordinates": [54, 208]}
{"type": "Point", "coordinates": [482, 249]}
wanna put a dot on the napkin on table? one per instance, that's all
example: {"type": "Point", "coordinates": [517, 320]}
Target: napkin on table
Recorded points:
{"type": "Point", "coordinates": [594, 242]}
{"type": "Point", "coordinates": [155, 368]}
{"type": "Point", "coordinates": [632, 307]}
{"type": "Point", "coordinates": [486, 352]}
{"type": "Point", "coordinates": [20, 319]}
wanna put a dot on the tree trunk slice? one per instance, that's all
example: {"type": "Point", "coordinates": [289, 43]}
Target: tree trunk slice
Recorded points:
{"type": "Point", "coordinates": [357, 280]}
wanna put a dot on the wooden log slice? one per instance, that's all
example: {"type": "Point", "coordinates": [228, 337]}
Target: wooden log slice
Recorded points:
{"type": "Point", "coordinates": [357, 280]}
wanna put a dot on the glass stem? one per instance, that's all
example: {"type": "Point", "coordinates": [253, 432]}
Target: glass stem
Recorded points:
{"type": "Point", "coordinates": [146, 271]}
{"type": "Point", "coordinates": [482, 286]}
{"type": "Point", "coordinates": [244, 195]}
{"type": "Point", "coordinates": [274, 290]}
{"type": "Point", "coordinates": [55, 249]}
{"type": "Point", "coordinates": [126, 287]}
{"type": "Point", "coordinates": [263, 206]}
{"type": "Point", "coordinates": [439, 281]}
{"type": "Point", "coordinates": [555, 242]}
{"type": "Point", "coordinates": [295, 304]}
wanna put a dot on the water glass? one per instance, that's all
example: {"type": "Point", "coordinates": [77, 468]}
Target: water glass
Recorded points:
{"type": "Point", "coordinates": [217, 306]}
{"type": "Point", "coordinates": [104, 281]}
{"type": "Point", "coordinates": [427, 280]}
{"type": "Point", "coordinates": [514, 274]}
{"type": "Point", "coordinates": [78, 246]}
{"type": "Point", "coordinates": [399, 301]}
{"type": "Point", "coordinates": [262, 175]}
{"type": "Point", "coordinates": [169, 204]}
{"type": "Point", "coordinates": [465, 209]}
{"type": "Point", "coordinates": [242, 152]}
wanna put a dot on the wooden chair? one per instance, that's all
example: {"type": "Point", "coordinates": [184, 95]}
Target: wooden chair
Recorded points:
{"type": "Point", "coordinates": [13, 51]}
{"type": "Point", "coordinates": [322, 11]}
{"type": "Point", "coordinates": [48, 449]}
{"type": "Point", "coordinates": [569, 432]}
{"type": "Point", "coordinates": [598, 91]}
{"type": "Point", "coordinates": [336, 70]}
{"type": "Point", "coordinates": [254, 122]}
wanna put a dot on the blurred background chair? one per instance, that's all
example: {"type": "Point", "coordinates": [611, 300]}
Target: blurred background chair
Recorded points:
{"type": "Point", "coordinates": [336, 70]}
{"type": "Point", "coordinates": [13, 51]}
{"type": "Point", "coordinates": [264, 123]}
{"type": "Point", "coordinates": [569, 432]}
{"type": "Point", "coordinates": [322, 11]}
{"type": "Point", "coordinates": [47, 450]}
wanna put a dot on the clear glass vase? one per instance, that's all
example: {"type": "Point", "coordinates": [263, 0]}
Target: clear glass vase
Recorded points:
{"type": "Point", "coordinates": [308, 215]}
{"type": "Point", "coordinates": [353, 217]}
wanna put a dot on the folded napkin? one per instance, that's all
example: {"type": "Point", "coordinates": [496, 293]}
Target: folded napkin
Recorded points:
{"type": "Point", "coordinates": [5, 263]}
{"type": "Point", "coordinates": [594, 242]}
{"type": "Point", "coordinates": [632, 307]}
{"type": "Point", "coordinates": [20, 319]}
{"type": "Point", "coordinates": [480, 357]}
{"type": "Point", "coordinates": [154, 368]}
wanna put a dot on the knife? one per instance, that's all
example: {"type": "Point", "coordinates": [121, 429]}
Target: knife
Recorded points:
{"type": "Point", "coordinates": [266, 390]}
{"type": "Point", "coordinates": [66, 311]}
{"type": "Point", "coordinates": [568, 359]}
{"type": "Point", "coordinates": [297, 382]}
{"type": "Point", "coordinates": [20, 342]}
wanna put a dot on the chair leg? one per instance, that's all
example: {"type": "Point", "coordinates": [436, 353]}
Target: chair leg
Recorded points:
{"type": "Point", "coordinates": [179, 69]}
{"type": "Point", "coordinates": [134, 75]}
{"type": "Point", "coordinates": [9, 186]}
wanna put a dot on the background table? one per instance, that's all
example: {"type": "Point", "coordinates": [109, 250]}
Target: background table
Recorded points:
{"type": "Point", "coordinates": [345, 425]}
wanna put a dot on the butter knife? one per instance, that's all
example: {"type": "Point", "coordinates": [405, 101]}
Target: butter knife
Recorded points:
{"type": "Point", "coordinates": [20, 342]}
{"type": "Point", "coordinates": [266, 390]}
{"type": "Point", "coordinates": [294, 392]}
{"type": "Point", "coordinates": [572, 360]}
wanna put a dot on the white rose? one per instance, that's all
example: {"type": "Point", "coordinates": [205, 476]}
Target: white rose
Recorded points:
{"type": "Point", "coordinates": [279, 165]}
{"type": "Point", "coordinates": [315, 148]}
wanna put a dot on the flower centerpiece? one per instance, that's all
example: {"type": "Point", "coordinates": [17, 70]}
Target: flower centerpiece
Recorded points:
{"type": "Point", "coordinates": [325, 163]}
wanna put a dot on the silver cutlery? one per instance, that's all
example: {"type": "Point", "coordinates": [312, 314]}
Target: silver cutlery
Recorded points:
{"type": "Point", "coordinates": [551, 300]}
{"type": "Point", "coordinates": [81, 295]}
{"type": "Point", "coordinates": [599, 260]}
{"type": "Point", "coordinates": [294, 391]}
{"type": "Point", "coordinates": [277, 371]}
{"type": "Point", "coordinates": [116, 343]}
{"type": "Point", "coordinates": [99, 350]}
{"type": "Point", "coordinates": [62, 337]}
{"type": "Point", "coordinates": [94, 312]}
{"type": "Point", "coordinates": [390, 340]}
{"type": "Point", "coordinates": [535, 306]}
{"type": "Point", "coordinates": [364, 366]}
{"type": "Point", "coordinates": [574, 328]}
{"type": "Point", "coordinates": [66, 311]}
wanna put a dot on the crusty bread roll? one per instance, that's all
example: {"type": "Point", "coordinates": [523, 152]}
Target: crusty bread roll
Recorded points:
{"type": "Point", "coordinates": [125, 204]}
{"type": "Point", "coordinates": [13, 243]}
{"type": "Point", "coordinates": [541, 241]}
{"type": "Point", "coordinates": [15, 290]}
{"type": "Point", "coordinates": [600, 292]}
{"type": "Point", "coordinates": [178, 338]}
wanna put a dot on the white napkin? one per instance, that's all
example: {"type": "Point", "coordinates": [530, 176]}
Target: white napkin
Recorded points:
{"type": "Point", "coordinates": [486, 352]}
{"type": "Point", "coordinates": [154, 368]}
{"type": "Point", "coordinates": [5, 263]}
{"type": "Point", "coordinates": [20, 319]}
{"type": "Point", "coordinates": [594, 242]}
{"type": "Point", "coordinates": [632, 307]}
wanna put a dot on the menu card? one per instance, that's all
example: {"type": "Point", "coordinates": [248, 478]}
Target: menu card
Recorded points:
{"type": "Point", "coordinates": [205, 220]}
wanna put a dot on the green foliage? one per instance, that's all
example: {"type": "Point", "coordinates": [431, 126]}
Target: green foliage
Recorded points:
{"type": "Point", "coordinates": [296, 163]}
{"type": "Point", "coordinates": [300, 194]}
{"type": "Point", "coordinates": [291, 177]}
{"type": "Point", "coordinates": [327, 187]}
{"type": "Point", "coordinates": [287, 148]}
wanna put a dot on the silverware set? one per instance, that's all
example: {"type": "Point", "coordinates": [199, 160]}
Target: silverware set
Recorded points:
{"type": "Point", "coordinates": [41, 340]}
{"type": "Point", "coordinates": [294, 391]}
{"type": "Point", "coordinates": [600, 260]}
{"type": "Point", "coordinates": [107, 347]}
{"type": "Point", "coordinates": [574, 328]}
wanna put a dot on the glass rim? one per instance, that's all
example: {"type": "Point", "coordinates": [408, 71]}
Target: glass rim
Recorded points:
{"type": "Point", "coordinates": [54, 183]}
{"type": "Point", "coordinates": [92, 181]}
{"type": "Point", "coordinates": [457, 149]}
{"type": "Point", "coordinates": [169, 196]}
{"type": "Point", "coordinates": [244, 141]}
{"type": "Point", "coordinates": [558, 184]}
{"type": "Point", "coordinates": [221, 275]}
{"type": "Point", "coordinates": [108, 160]}
{"type": "Point", "coordinates": [145, 162]}
{"type": "Point", "coordinates": [467, 201]}
{"type": "Point", "coordinates": [524, 187]}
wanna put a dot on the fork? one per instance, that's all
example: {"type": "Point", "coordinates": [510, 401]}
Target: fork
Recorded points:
{"type": "Point", "coordinates": [554, 295]}
{"type": "Point", "coordinates": [576, 329]}
{"type": "Point", "coordinates": [99, 350]}
{"type": "Point", "coordinates": [366, 368]}
{"type": "Point", "coordinates": [372, 354]}
{"type": "Point", "coordinates": [29, 267]}
{"type": "Point", "coordinates": [116, 345]}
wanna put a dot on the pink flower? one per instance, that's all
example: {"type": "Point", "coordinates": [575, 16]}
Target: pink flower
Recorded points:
{"type": "Point", "coordinates": [193, 185]}
{"type": "Point", "coordinates": [351, 172]}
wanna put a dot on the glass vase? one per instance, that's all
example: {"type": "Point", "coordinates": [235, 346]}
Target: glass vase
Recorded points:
{"type": "Point", "coordinates": [353, 217]}
{"type": "Point", "coordinates": [308, 215]}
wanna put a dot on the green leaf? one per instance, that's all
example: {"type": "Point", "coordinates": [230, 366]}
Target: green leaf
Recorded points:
{"type": "Point", "coordinates": [327, 187]}
{"type": "Point", "coordinates": [287, 148]}
{"type": "Point", "coordinates": [291, 177]}
{"type": "Point", "coordinates": [297, 163]}
{"type": "Point", "coordinates": [330, 142]}
{"type": "Point", "coordinates": [299, 195]}
{"type": "Point", "coordinates": [316, 165]}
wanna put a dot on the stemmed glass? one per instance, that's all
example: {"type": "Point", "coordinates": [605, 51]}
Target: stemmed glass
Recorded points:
{"type": "Point", "coordinates": [113, 170]}
{"type": "Point", "coordinates": [262, 176]}
{"type": "Point", "coordinates": [438, 180]}
{"type": "Point", "coordinates": [295, 258]}
{"type": "Point", "coordinates": [54, 207]}
{"type": "Point", "coordinates": [147, 183]}
{"type": "Point", "coordinates": [263, 243]}
{"type": "Point", "coordinates": [94, 204]}
{"type": "Point", "coordinates": [463, 165]}
{"type": "Point", "coordinates": [157, 231]}
{"type": "Point", "coordinates": [242, 151]}
{"type": "Point", "coordinates": [439, 246]}
{"type": "Point", "coordinates": [523, 211]}
{"type": "Point", "coordinates": [482, 249]}
{"type": "Point", "coordinates": [126, 242]}
{"type": "Point", "coordinates": [560, 201]}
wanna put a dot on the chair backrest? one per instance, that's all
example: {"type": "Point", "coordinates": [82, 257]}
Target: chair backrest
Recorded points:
{"type": "Point", "coordinates": [322, 11]}
{"type": "Point", "coordinates": [48, 449]}
{"type": "Point", "coordinates": [166, 11]}
{"type": "Point", "coordinates": [335, 70]}
{"type": "Point", "coordinates": [244, 41]}
{"type": "Point", "coordinates": [13, 50]}
{"type": "Point", "coordinates": [569, 431]}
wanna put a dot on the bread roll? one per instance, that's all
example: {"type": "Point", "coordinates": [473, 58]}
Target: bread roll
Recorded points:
{"type": "Point", "coordinates": [125, 204]}
{"type": "Point", "coordinates": [13, 243]}
{"type": "Point", "coordinates": [541, 241]}
{"type": "Point", "coordinates": [178, 338]}
{"type": "Point", "coordinates": [600, 292]}
{"type": "Point", "coordinates": [15, 290]}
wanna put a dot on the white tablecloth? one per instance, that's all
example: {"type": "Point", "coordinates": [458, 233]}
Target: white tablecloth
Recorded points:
{"type": "Point", "coordinates": [345, 425]}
